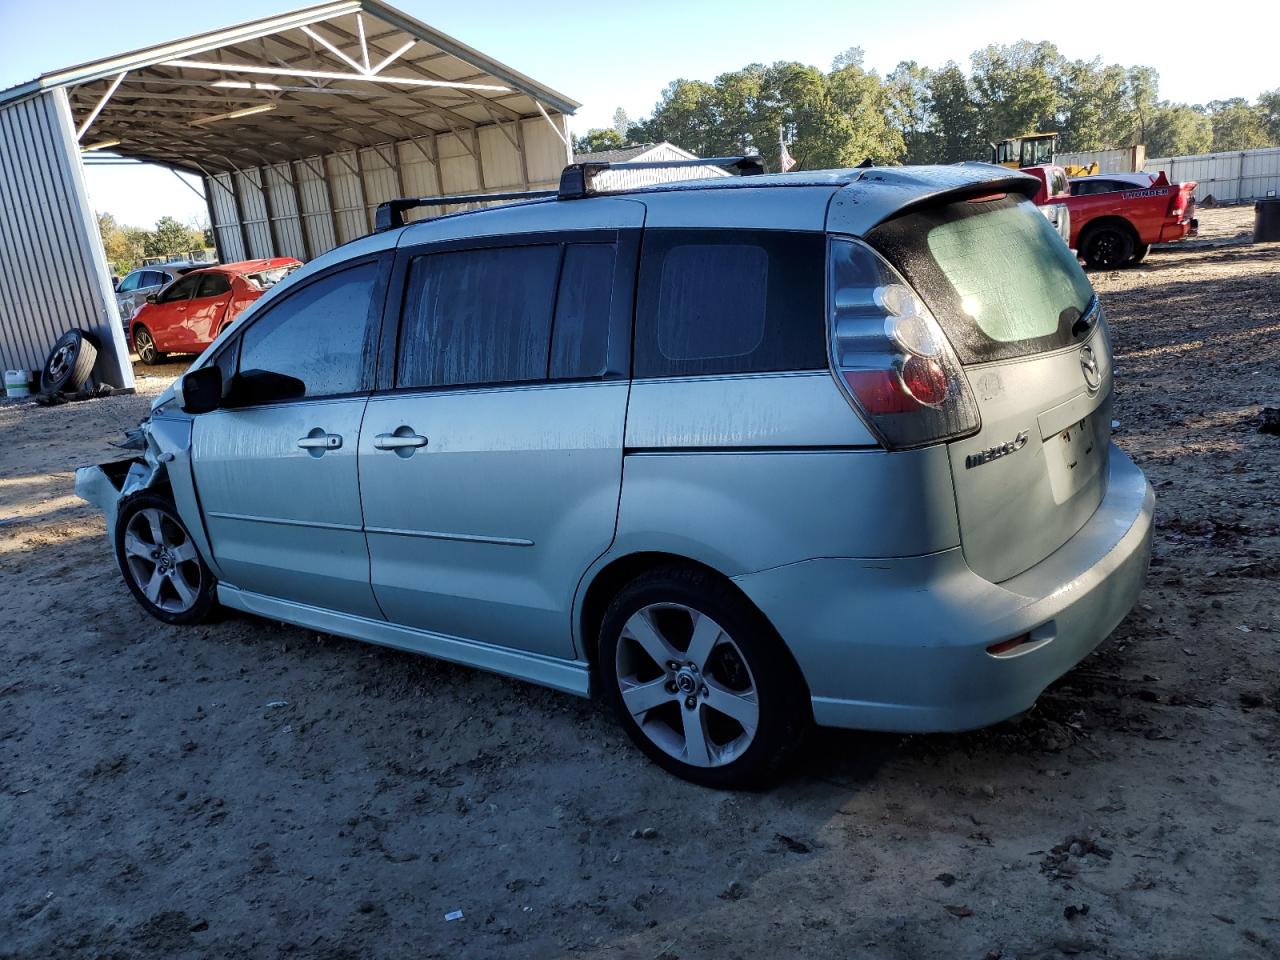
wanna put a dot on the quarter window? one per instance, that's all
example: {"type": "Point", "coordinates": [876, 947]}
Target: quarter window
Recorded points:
{"type": "Point", "coordinates": [318, 334]}
{"type": "Point", "coordinates": [721, 302]}
{"type": "Point", "coordinates": [478, 316]}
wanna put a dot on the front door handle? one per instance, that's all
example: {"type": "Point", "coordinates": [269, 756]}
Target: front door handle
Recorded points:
{"type": "Point", "coordinates": [316, 442]}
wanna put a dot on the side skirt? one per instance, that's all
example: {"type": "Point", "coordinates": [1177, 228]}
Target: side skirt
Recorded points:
{"type": "Point", "coordinates": [570, 676]}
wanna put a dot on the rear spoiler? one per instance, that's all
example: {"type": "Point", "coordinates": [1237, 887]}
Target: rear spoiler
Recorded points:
{"type": "Point", "coordinates": [885, 192]}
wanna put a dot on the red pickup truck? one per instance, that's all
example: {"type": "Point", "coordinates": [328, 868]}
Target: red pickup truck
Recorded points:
{"type": "Point", "coordinates": [1116, 217]}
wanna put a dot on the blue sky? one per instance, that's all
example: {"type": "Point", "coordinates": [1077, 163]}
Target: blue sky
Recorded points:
{"type": "Point", "coordinates": [622, 54]}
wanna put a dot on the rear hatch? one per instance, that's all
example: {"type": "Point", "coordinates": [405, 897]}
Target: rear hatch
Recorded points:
{"type": "Point", "coordinates": [1033, 346]}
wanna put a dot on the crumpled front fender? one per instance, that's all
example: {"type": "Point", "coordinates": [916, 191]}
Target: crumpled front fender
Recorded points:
{"type": "Point", "coordinates": [164, 443]}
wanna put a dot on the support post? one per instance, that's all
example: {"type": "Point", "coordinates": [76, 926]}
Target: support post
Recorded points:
{"type": "Point", "coordinates": [264, 187]}
{"type": "Point", "coordinates": [235, 199]}
{"type": "Point", "coordinates": [302, 219]}
{"type": "Point", "coordinates": [364, 200]}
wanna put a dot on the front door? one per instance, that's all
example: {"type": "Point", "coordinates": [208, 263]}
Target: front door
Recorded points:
{"type": "Point", "coordinates": [277, 478]}
{"type": "Point", "coordinates": [490, 476]}
{"type": "Point", "coordinates": [167, 318]}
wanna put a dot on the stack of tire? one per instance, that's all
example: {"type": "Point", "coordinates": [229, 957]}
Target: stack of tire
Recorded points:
{"type": "Point", "coordinates": [70, 362]}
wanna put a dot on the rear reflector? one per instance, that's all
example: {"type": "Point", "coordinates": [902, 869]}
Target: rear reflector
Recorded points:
{"type": "Point", "coordinates": [1008, 646]}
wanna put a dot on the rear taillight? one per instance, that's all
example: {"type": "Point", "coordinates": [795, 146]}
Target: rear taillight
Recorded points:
{"type": "Point", "coordinates": [890, 356]}
{"type": "Point", "coordinates": [1177, 203]}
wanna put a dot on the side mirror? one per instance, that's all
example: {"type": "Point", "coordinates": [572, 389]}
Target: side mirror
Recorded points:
{"type": "Point", "coordinates": [201, 390]}
{"type": "Point", "coordinates": [153, 298]}
{"type": "Point", "coordinates": [251, 387]}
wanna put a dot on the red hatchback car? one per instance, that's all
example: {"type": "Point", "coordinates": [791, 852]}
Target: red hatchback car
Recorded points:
{"type": "Point", "coordinates": [188, 315]}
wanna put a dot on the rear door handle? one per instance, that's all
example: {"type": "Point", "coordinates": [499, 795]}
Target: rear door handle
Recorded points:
{"type": "Point", "coordinates": [403, 439]}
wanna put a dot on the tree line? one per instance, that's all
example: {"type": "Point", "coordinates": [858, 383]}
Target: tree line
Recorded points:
{"type": "Point", "coordinates": [918, 114]}
{"type": "Point", "coordinates": [127, 246]}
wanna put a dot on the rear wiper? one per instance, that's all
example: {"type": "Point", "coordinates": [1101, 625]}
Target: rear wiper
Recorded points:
{"type": "Point", "coordinates": [1086, 321]}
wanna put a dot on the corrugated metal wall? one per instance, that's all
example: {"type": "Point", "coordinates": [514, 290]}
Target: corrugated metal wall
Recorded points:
{"type": "Point", "coordinates": [303, 208]}
{"type": "Point", "coordinates": [1243, 175]}
{"type": "Point", "coordinates": [53, 272]}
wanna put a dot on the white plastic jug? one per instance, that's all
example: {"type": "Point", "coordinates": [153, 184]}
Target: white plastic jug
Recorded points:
{"type": "Point", "coordinates": [15, 383]}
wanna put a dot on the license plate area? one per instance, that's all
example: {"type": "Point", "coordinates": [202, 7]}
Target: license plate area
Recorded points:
{"type": "Point", "coordinates": [1073, 457]}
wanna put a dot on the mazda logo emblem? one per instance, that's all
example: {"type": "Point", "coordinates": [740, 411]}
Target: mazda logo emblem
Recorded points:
{"type": "Point", "coordinates": [1089, 366]}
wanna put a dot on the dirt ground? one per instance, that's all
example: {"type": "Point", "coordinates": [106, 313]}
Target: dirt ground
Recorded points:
{"type": "Point", "coordinates": [155, 801]}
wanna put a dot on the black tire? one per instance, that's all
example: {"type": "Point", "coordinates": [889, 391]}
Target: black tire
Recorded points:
{"type": "Point", "coordinates": [184, 590]}
{"type": "Point", "coordinates": [69, 363]}
{"type": "Point", "coordinates": [1139, 254]}
{"type": "Point", "coordinates": [747, 641]}
{"type": "Point", "coordinates": [1108, 247]}
{"type": "Point", "coordinates": [144, 345]}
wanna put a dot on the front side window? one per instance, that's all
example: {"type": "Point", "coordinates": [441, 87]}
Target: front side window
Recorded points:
{"type": "Point", "coordinates": [129, 283]}
{"type": "Point", "coordinates": [478, 316]}
{"type": "Point", "coordinates": [318, 334]}
{"type": "Point", "coordinates": [730, 301]}
{"type": "Point", "coordinates": [181, 290]}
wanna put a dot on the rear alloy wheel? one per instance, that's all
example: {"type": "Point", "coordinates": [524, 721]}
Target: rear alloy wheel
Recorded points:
{"type": "Point", "coordinates": [1108, 248]}
{"type": "Point", "coordinates": [700, 680]}
{"type": "Point", "coordinates": [145, 346]}
{"type": "Point", "coordinates": [1139, 254]}
{"type": "Point", "coordinates": [160, 562]}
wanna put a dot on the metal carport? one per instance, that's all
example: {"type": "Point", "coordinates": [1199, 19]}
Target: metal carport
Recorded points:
{"type": "Point", "coordinates": [299, 124]}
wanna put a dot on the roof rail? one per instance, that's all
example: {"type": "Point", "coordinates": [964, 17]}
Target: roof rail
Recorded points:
{"type": "Point", "coordinates": [390, 214]}
{"type": "Point", "coordinates": [575, 179]}
{"type": "Point", "coordinates": [575, 184]}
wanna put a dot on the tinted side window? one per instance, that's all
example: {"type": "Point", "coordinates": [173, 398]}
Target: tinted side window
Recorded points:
{"type": "Point", "coordinates": [129, 283]}
{"type": "Point", "coordinates": [478, 316]}
{"type": "Point", "coordinates": [580, 336]}
{"type": "Point", "coordinates": [730, 301]}
{"type": "Point", "coordinates": [318, 334]}
{"type": "Point", "coordinates": [213, 285]}
{"type": "Point", "coordinates": [181, 290]}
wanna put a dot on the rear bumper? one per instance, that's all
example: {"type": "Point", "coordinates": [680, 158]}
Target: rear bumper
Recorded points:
{"type": "Point", "coordinates": [900, 644]}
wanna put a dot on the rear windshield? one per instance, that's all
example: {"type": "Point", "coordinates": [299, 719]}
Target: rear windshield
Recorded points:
{"type": "Point", "coordinates": [269, 278]}
{"type": "Point", "coordinates": [995, 273]}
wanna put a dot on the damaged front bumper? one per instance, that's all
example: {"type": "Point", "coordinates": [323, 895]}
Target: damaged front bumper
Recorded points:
{"type": "Point", "coordinates": [108, 484]}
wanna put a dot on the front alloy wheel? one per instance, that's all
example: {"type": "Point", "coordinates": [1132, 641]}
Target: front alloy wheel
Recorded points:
{"type": "Point", "coordinates": [700, 680]}
{"type": "Point", "coordinates": [160, 562]}
{"type": "Point", "coordinates": [145, 346]}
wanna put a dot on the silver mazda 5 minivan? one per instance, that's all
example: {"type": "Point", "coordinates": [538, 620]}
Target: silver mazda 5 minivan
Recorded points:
{"type": "Point", "coordinates": [739, 455]}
